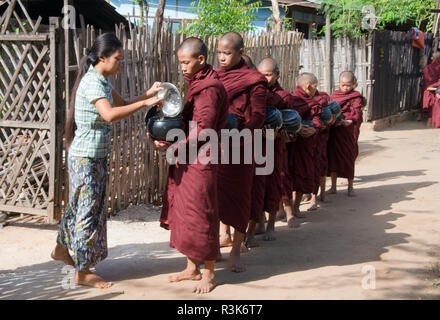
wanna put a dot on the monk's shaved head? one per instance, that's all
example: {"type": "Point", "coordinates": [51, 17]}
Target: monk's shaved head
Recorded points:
{"type": "Point", "coordinates": [194, 46]}
{"type": "Point", "coordinates": [348, 76]}
{"type": "Point", "coordinates": [436, 55]}
{"type": "Point", "coordinates": [233, 38]}
{"type": "Point", "coordinates": [268, 64]}
{"type": "Point", "coordinates": [305, 78]}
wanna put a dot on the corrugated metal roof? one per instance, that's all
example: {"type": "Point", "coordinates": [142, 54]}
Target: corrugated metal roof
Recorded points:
{"type": "Point", "coordinates": [302, 3]}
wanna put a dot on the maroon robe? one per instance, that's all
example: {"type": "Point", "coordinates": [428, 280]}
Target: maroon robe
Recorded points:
{"type": "Point", "coordinates": [285, 149]}
{"type": "Point", "coordinates": [303, 162]}
{"type": "Point", "coordinates": [432, 105]}
{"type": "Point", "coordinates": [431, 74]}
{"type": "Point", "coordinates": [342, 145]}
{"type": "Point", "coordinates": [266, 189]}
{"type": "Point", "coordinates": [190, 208]}
{"type": "Point", "coordinates": [246, 89]}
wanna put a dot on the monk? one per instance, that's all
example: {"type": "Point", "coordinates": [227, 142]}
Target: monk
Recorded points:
{"type": "Point", "coordinates": [190, 208]}
{"type": "Point", "coordinates": [269, 68]}
{"type": "Point", "coordinates": [246, 89]}
{"type": "Point", "coordinates": [342, 144]}
{"type": "Point", "coordinates": [308, 101]}
{"type": "Point", "coordinates": [431, 74]}
{"type": "Point", "coordinates": [267, 190]}
{"type": "Point", "coordinates": [430, 102]}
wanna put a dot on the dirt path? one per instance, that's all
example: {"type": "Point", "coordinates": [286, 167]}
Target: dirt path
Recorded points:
{"type": "Point", "coordinates": [391, 228]}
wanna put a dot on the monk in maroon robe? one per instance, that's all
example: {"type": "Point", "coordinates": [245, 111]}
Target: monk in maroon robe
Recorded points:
{"type": "Point", "coordinates": [282, 100]}
{"type": "Point", "coordinates": [431, 102]}
{"type": "Point", "coordinates": [309, 103]}
{"type": "Point", "coordinates": [431, 74]}
{"type": "Point", "coordinates": [342, 144]}
{"type": "Point", "coordinates": [190, 208]}
{"type": "Point", "coordinates": [246, 89]}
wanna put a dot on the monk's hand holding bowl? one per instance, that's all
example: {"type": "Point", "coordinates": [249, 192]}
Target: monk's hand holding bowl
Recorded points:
{"type": "Point", "coordinates": [346, 123]}
{"type": "Point", "coordinates": [307, 131]}
{"type": "Point", "coordinates": [157, 144]}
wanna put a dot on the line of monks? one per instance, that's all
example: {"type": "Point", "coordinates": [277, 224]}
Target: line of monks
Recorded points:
{"type": "Point", "coordinates": [431, 91]}
{"type": "Point", "coordinates": [201, 199]}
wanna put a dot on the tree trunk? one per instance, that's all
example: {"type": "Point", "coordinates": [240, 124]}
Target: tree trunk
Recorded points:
{"type": "Point", "coordinates": [157, 31]}
{"type": "Point", "coordinates": [276, 20]}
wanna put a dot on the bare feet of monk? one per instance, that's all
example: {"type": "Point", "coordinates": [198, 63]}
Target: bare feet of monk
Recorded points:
{"type": "Point", "coordinates": [260, 229]}
{"type": "Point", "coordinates": [306, 197]}
{"type": "Point", "coordinates": [243, 248]}
{"type": "Point", "coordinates": [235, 264]}
{"type": "Point", "coordinates": [187, 274]}
{"type": "Point", "coordinates": [251, 242]}
{"type": "Point", "coordinates": [88, 278]}
{"type": "Point", "coordinates": [293, 223]}
{"type": "Point", "coordinates": [298, 214]}
{"type": "Point", "coordinates": [331, 191]}
{"type": "Point", "coordinates": [61, 253]}
{"type": "Point", "coordinates": [269, 235]}
{"type": "Point", "coordinates": [313, 207]}
{"type": "Point", "coordinates": [351, 192]}
{"type": "Point", "coordinates": [225, 240]}
{"type": "Point", "coordinates": [206, 284]}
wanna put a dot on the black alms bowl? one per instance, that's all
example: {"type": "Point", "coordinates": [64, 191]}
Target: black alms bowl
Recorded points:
{"type": "Point", "coordinates": [158, 125]}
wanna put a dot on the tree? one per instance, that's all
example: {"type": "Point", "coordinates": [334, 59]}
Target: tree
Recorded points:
{"type": "Point", "coordinates": [218, 17]}
{"type": "Point", "coordinates": [349, 17]}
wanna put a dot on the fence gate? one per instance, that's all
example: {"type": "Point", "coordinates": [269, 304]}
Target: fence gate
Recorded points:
{"type": "Point", "coordinates": [28, 135]}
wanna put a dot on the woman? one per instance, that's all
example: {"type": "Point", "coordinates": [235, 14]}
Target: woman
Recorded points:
{"type": "Point", "coordinates": [94, 105]}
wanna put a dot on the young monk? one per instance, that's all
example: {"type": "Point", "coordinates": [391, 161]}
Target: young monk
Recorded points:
{"type": "Point", "coordinates": [246, 89]}
{"type": "Point", "coordinates": [266, 190]}
{"type": "Point", "coordinates": [269, 68]}
{"type": "Point", "coordinates": [431, 103]}
{"type": "Point", "coordinates": [190, 208]}
{"type": "Point", "coordinates": [309, 104]}
{"type": "Point", "coordinates": [342, 144]}
{"type": "Point", "coordinates": [431, 74]}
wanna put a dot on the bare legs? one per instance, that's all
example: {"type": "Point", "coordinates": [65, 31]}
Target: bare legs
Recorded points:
{"type": "Point", "coordinates": [332, 190]}
{"type": "Point", "coordinates": [291, 220]}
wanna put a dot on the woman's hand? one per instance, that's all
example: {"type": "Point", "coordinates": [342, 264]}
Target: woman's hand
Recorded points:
{"type": "Point", "coordinates": [153, 101]}
{"type": "Point", "coordinates": [154, 89]}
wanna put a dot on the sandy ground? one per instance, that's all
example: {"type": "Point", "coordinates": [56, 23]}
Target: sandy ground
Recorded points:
{"type": "Point", "coordinates": [389, 233]}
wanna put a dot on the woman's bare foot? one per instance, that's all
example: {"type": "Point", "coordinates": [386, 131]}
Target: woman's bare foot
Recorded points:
{"type": "Point", "coordinates": [269, 235]}
{"type": "Point", "coordinates": [206, 284]}
{"type": "Point", "coordinates": [88, 278]}
{"type": "Point", "coordinates": [61, 253]}
{"type": "Point", "coordinates": [225, 240]}
{"type": "Point", "coordinates": [186, 275]}
{"type": "Point", "coordinates": [235, 264]}
{"type": "Point", "coordinates": [293, 223]}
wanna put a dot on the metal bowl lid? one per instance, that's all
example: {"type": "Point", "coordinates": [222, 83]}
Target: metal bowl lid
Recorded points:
{"type": "Point", "coordinates": [172, 100]}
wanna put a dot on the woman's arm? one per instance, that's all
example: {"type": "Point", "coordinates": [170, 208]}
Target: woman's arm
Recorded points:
{"type": "Point", "coordinates": [119, 101]}
{"type": "Point", "coordinates": [110, 114]}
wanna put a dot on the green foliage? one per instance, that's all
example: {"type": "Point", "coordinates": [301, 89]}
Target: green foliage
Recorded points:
{"type": "Point", "coordinates": [221, 16]}
{"type": "Point", "coordinates": [347, 15]}
{"type": "Point", "coordinates": [287, 22]}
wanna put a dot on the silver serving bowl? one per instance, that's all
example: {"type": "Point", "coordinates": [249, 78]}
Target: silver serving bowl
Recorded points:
{"type": "Point", "coordinates": [172, 100]}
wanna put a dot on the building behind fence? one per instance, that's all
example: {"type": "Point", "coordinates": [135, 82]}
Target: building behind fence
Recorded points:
{"type": "Point", "coordinates": [37, 69]}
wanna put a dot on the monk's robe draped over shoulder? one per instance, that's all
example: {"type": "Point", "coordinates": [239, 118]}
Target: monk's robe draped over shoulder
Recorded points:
{"type": "Point", "coordinates": [266, 189]}
{"type": "Point", "coordinates": [190, 208]}
{"type": "Point", "coordinates": [342, 144]}
{"type": "Point", "coordinates": [285, 148]}
{"type": "Point", "coordinates": [431, 74]}
{"type": "Point", "coordinates": [302, 163]}
{"type": "Point", "coordinates": [432, 105]}
{"type": "Point", "coordinates": [246, 90]}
